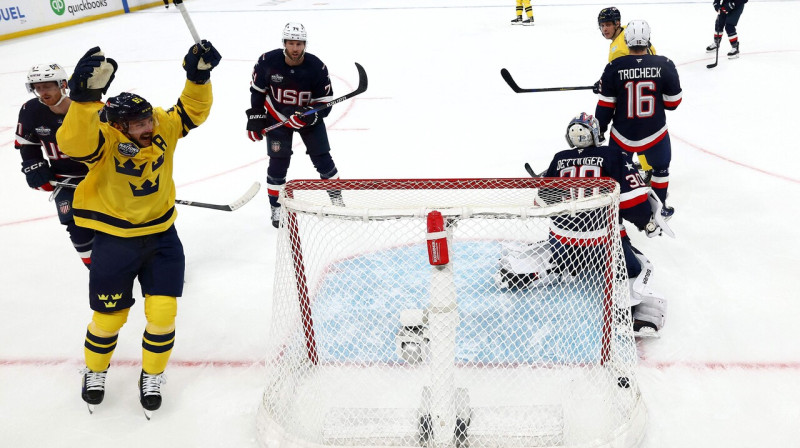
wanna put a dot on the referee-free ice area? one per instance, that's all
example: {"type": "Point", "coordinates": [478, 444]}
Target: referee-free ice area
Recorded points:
{"type": "Point", "coordinates": [726, 370]}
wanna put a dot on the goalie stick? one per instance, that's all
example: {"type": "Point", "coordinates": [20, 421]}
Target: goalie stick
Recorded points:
{"type": "Point", "coordinates": [235, 205]}
{"type": "Point", "coordinates": [362, 87]}
{"type": "Point", "coordinates": [531, 172]}
{"type": "Point", "coordinates": [511, 83]}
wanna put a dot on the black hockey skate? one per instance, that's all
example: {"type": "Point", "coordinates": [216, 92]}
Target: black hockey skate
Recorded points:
{"type": "Point", "coordinates": [667, 212]}
{"type": "Point", "coordinates": [517, 21]}
{"type": "Point", "coordinates": [94, 388]}
{"type": "Point", "coordinates": [275, 215]}
{"type": "Point", "coordinates": [150, 392]}
{"type": "Point", "coordinates": [713, 47]}
{"type": "Point", "coordinates": [643, 329]}
{"type": "Point", "coordinates": [734, 53]}
{"type": "Point", "coordinates": [528, 22]}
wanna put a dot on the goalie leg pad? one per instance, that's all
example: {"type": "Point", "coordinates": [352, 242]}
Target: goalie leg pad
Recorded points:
{"type": "Point", "coordinates": [648, 305]}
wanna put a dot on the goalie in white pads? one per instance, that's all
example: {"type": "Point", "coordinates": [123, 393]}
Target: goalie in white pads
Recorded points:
{"type": "Point", "coordinates": [543, 262]}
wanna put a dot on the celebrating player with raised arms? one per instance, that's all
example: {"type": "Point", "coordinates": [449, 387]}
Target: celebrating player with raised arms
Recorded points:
{"type": "Point", "coordinates": [128, 198]}
{"type": "Point", "coordinates": [39, 119]}
{"type": "Point", "coordinates": [635, 91]}
{"type": "Point", "coordinates": [286, 83]}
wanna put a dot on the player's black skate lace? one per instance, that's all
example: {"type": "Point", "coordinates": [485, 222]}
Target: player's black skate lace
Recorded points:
{"type": "Point", "coordinates": [94, 386]}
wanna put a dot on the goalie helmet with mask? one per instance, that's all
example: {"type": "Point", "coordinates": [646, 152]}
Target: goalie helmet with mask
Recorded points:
{"type": "Point", "coordinates": [47, 73]}
{"type": "Point", "coordinates": [637, 34]}
{"type": "Point", "coordinates": [583, 131]}
{"type": "Point", "coordinates": [126, 107]}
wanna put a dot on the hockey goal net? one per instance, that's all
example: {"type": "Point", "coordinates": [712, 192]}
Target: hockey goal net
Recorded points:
{"type": "Point", "coordinates": [451, 313]}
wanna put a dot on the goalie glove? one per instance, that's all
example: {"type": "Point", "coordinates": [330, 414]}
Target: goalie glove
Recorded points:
{"type": "Point", "coordinates": [92, 76]}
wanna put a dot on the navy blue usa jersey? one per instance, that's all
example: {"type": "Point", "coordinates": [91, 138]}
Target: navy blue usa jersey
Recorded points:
{"type": "Point", "coordinates": [634, 92]}
{"type": "Point", "coordinates": [600, 161]}
{"type": "Point", "coordinates": [36, 130]}
{"type": "Point", "coordinates": [281, 88]}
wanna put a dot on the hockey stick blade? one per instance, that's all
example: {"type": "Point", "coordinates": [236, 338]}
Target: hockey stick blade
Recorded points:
{"type": "Point", "coordinates": [235, 205]}
{"type": "Point", "coordinates": [531, 172]}
{"type": "Point", "coordinates": [362, 87]}
{"type": "Point", "coordinates": [716, 59]}
{"type": "Point", "coordinates": [511, 83]}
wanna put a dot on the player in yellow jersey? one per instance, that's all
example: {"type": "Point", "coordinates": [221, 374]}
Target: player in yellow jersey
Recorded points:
{"type": "Point", "coordinates": [526, 4]}
{"type": "Point", "coordinates": [128, 198]}
{"type": "Point", "coordinates": [609, 23]}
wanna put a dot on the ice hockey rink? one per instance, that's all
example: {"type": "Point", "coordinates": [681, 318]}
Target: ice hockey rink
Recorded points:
{"type": "Point", "coordinates": [726, 370]}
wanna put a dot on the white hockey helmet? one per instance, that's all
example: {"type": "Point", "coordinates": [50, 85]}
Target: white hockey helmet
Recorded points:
{"type": "Point", "coordinates": [46, 73]}
{"type": "Point", "coordinates": [583, 131]}
{"type": "Point", "coordinates": [637, 34]}
{"type": "Point", "coordinates": [294, 31]}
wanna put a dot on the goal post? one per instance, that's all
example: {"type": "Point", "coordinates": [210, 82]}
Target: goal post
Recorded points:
{"type": "Point", "coordinates": [451, 313]}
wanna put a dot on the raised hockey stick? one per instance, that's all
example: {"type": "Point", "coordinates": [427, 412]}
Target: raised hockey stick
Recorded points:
{"type": "Point", "coordinates": [511, 83]}
{"type": "Point", "coordinates": [179, 4]}
{"type": "Point", "coordinates": [362, 87]}
{"type": "Point", "coordinates": [235, 205]}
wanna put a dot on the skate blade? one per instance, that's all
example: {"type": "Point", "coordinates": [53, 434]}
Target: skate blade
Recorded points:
{"type": "Point", "coordinates": [147, 414]}
{"type": "Point", "coordinates": [91, 408]}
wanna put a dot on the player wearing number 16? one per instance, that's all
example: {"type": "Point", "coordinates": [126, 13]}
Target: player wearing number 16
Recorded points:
{"type": "Point", "coordinates": [635, 90]}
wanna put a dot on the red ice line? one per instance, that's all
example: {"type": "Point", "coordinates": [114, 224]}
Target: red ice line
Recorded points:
{"type": "Point", "coordinates": [658, 365]}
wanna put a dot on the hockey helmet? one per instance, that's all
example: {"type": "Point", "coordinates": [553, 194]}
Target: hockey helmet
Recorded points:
{"type": "Point", "coordinates": [610, 14]}
{"type": "Point", "coordinates": [583, 131]}
{"type": "Point", "coordinates": [125, 107]}
{"type": "Point", "coordinates": [637, 34]}
{"type": "Point", "coordinates": [46, 73]}
{"type": "Point", "coordinates": [294, 31]}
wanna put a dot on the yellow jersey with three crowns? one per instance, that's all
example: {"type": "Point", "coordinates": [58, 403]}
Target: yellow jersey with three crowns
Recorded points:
{"type": "Point", "coordinates": [618, 47]}
{"type": "Point", "coordinates": [129, 191]}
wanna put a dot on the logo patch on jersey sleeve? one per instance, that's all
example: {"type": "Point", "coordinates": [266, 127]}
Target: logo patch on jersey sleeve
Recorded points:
{"type": "Point", "coordinates": [43, 131]}
{"type": "Point", "coordinates": [276, 78]}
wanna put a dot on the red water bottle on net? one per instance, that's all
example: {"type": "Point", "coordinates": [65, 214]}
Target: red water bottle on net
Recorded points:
{"type": "Point", "coordinates": [438, 254]}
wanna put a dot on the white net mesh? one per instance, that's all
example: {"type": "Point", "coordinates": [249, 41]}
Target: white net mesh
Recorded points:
{"type": "Point", "coordinates": [523, 339]}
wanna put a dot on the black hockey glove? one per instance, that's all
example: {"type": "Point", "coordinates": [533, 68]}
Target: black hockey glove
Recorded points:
{"type": "Point", "coordinates": [256, 123]}
{"type": "Point", "coordinates": [298, 120]}
{"type": "Point", "coordinates": [92, 76]}
{"type": "Point", "coordinates": [199, 62]}
{"type": "Point", "coordinates": [596, 87]}
{"type": "Point", "coordinates": [717, 5]}
{"type": "Point", "coordinates": [38, 174]}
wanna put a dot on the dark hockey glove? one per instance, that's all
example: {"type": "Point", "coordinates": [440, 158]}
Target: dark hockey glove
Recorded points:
{"type": "Point", "coordinates": [38, 174]}
{"type": "Point", "coordinates": [92, 76]}
{"type": "Point", "coordinates": [256, 123]}
{"type": "Point", "coordinates": [299, 120]}
{"type": "Point", "coordinates": [596, 87]}
{"type": "Point", "coordinates": [199, 62]}
{"type": "Point", "coordinates": [717, 5]}
{"type": "Point", "coordinates": [727, 6]}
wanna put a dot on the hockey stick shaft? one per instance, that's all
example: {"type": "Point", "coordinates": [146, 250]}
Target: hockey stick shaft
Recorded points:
{"type": "Point", "coordinates": [189, 24]}
{"type": "Point", "coordinates": [516, 88]}
{"type": "Point", "coordinates": [235, 205]}
{"type": "Point", "coordinates": [362, 87]}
